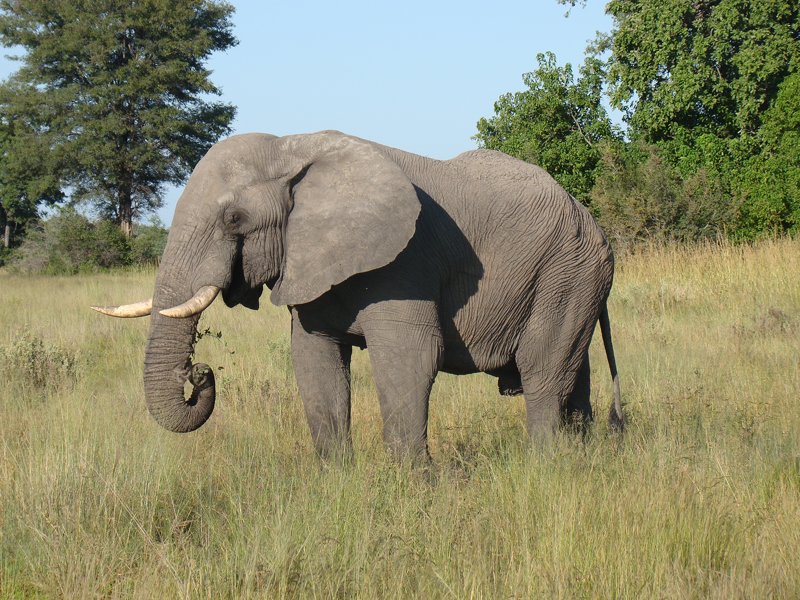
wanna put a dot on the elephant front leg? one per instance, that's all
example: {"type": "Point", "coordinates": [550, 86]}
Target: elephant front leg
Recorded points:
{"type": "Point", "coordinates": [322, 370]}
{"type": "Point", "coordinates": [405, 350]}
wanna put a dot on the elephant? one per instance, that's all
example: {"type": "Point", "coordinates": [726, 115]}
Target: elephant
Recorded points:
{"type": "Point", "coordinates": [480, 263]}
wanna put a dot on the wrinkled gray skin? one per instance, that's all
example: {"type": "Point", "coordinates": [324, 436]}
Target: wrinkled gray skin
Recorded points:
{"type": "Point", "coordinates": [479, 263]}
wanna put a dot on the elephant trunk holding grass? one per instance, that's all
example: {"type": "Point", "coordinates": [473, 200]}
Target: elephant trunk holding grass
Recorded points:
{"type": "Point", "coordinates": [479, 263]}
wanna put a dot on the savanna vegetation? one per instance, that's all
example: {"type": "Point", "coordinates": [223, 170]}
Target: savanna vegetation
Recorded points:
{"type": "Point", "coordinates": [69, 243]}
{"type": "Point", "coordinates": [113, 102]}
{"type": "Point", "coordinates": [700, 499]}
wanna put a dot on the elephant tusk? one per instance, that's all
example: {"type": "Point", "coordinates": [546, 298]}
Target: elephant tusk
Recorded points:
{"type": "Point", "coordinates": [195, 305]}
{"type": "Point", "coordinates": [127, 311]}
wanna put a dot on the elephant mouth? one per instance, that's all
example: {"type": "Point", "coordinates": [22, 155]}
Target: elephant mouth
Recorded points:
{"type": "Point", "coordinates": [246, 296]}
{"type": "Point", "coordinates": [240, 290]}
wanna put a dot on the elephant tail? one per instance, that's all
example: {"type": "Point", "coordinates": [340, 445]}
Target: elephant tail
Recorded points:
{"type": "Point", "coordinates": [615, 419]}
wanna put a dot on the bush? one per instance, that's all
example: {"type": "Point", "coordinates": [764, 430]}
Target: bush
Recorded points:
{"type": "Point", "coordinates": [5, 255]}
{"type": "Point", "coordinates": [29, 360]}
{"type": "Point", "coordinates": [638, 196]}
{"type": "Point", "coordinates": [148, 242]}
{"type": "Point", "coordinates": [69, 243]}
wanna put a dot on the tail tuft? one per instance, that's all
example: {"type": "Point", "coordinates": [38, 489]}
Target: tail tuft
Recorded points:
{"type": "Point", "coordinates": [616, 421]}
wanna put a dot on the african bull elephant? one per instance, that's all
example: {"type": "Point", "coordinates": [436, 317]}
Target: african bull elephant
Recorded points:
{"type": "Point", "coordinates": [479, 263]}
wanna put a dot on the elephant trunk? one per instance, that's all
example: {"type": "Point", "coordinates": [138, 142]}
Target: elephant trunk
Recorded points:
{"type": "Point", "coordinates": [167, 367]}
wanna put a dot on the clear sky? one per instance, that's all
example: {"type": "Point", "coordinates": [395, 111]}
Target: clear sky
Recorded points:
{"type": "Point", "coordinates": [414, 74]}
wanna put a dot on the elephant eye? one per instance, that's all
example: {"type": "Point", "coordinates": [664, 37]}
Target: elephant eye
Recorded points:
{"type": "Point", "coordinates": [233, 219]}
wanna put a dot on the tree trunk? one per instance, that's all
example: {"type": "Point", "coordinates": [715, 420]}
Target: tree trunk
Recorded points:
{"type": "Point", "coordinates": [126, 211]}
{"type": "Point", "coordinates": [6, 227]}
{"type": "Point", "coordinates": [127, 226]}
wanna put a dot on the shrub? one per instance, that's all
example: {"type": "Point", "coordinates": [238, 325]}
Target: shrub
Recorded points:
{"type": "Point", "coordinates": [769, 183]}
{"type": "Point", "coordinates": [639, 196]}
{"type": "Point", "coordinates": [30, 360]}
{"type": "Point", "coordinates": [148, 242]}
{"type": "Point", "coordinates": [5, 255]}
{"type": "Point", "coordinates": [69, 242]}
{"type": "Point", "coordinates": [107, 246]}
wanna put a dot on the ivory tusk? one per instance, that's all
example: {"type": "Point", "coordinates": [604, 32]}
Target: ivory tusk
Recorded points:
{"type": "Point", "coordinates": [195, 305]}
{"type": "Point", "coordinates": [127, 311]}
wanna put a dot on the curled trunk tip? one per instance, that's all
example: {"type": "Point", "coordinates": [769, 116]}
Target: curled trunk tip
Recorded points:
{"type": "Point", "coordinates": [168, 367]}
{"type": "Point", "coordinates": [187, 415]}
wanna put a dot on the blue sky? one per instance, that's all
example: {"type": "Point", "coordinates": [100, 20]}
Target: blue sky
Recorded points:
{"type": "Point", "coordinates": [416, 74]}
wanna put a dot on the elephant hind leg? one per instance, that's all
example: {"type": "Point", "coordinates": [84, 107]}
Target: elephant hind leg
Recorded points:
{"type": "Point", "coordinates": [578, 410]}
{"type": "Point", "coordinates": [552, 359]}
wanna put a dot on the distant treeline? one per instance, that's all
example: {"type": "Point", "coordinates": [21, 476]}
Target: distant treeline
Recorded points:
{"type": "Point", "coordinates": [69, 243]}
{"type": "Point", "coordinates": [111, 105]}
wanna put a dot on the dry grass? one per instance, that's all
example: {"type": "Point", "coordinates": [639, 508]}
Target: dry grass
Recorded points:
{"type": "Point", "coordinates": [701, 500]}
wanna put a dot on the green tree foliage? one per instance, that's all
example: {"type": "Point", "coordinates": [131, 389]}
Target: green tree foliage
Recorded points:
{"type": "Point", "coordinates": [27, 179]}
{"type": "Point", "coordinates": [770, 181]}
{"type": "Point", "coordinates": [557, 123]}
{"type": "Point", "coordinates": [707, 81]}
{"type": "Point", "coordinates": [69, 242]}
{"type": "Point", "coordinates": [703, 66]}
{"type": "Point", "coordinates": [710, 90]}
{"type": "Point", "coordinates": [118, 92]}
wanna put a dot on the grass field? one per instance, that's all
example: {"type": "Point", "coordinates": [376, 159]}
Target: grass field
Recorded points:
{"type": "Point", "coordinates": [700, 500]}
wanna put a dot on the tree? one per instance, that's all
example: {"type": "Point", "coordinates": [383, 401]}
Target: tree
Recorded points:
{"type": "Point", "coordinates": [707, 83]}
{"type": "Point", "coordinates": [701, 79]}
{"type": "Point", "coordinates": [27, 179]}
{"type": "Point", "coordinates": [117, 92]}
{"type": "Point", "coordinates": [556, 123]}
{"type": "Point", "coordinates": [770, 181]}
{"type": "Point", "coordinates": [684, 69]}
{"type": "Point", "coordinates": [572, 4]}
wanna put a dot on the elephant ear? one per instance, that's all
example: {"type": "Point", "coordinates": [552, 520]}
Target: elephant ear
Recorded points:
{"type": "Point", "coordinates": [354, 211]}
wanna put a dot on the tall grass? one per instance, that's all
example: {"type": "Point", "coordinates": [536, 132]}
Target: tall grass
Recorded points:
{"type": "Point", "coordinates": [700, 500]}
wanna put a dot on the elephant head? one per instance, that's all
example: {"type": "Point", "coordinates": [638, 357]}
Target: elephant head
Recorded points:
{"type": "Point", "coordinates": [299, 214]}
